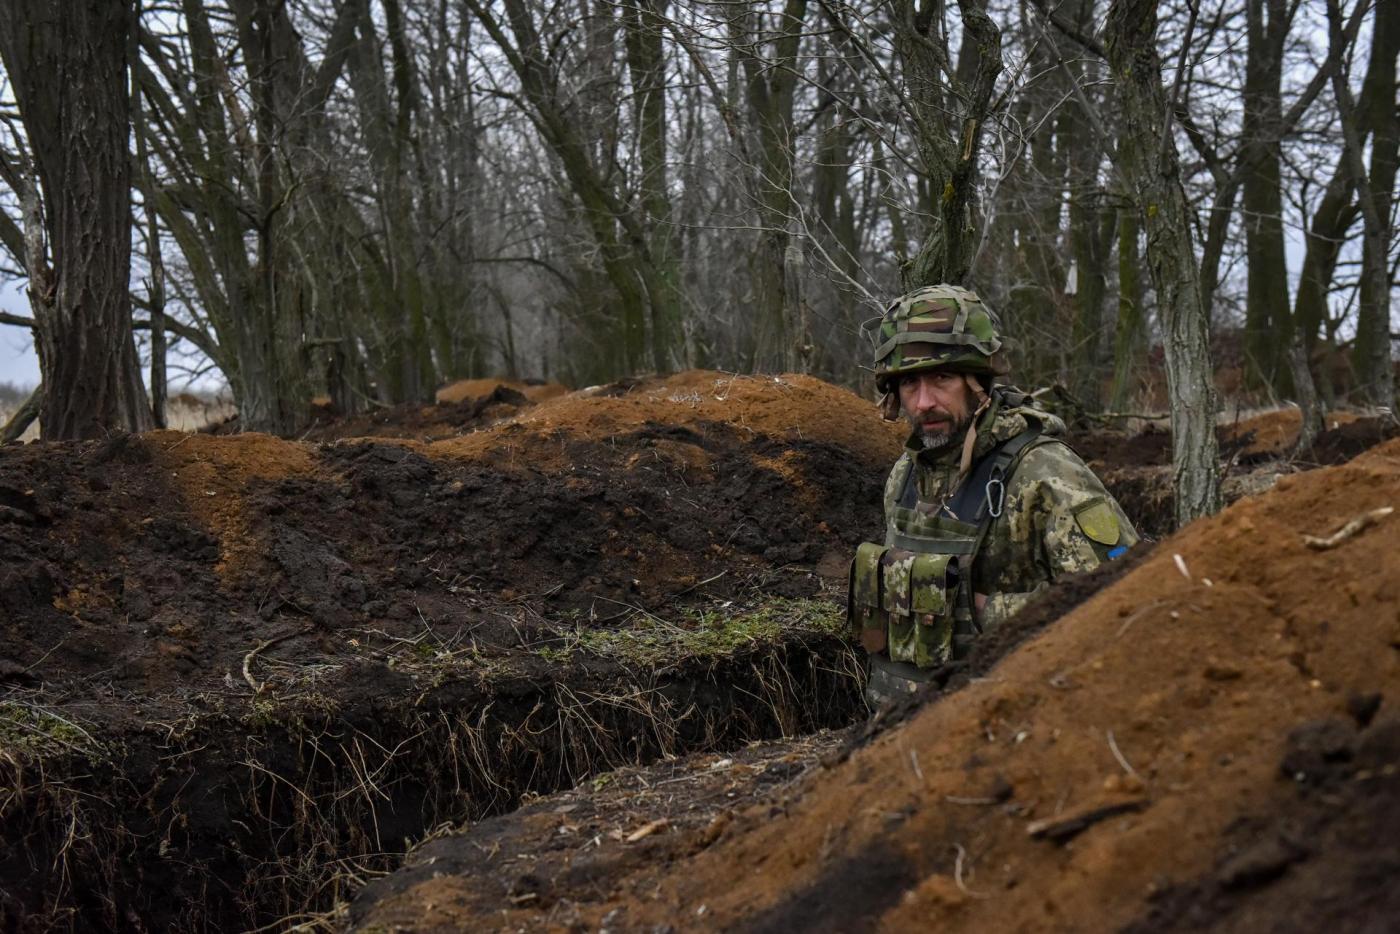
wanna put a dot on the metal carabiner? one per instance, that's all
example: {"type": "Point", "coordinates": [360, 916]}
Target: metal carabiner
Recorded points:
{"type": "Point", "coordinates": [994, 505]}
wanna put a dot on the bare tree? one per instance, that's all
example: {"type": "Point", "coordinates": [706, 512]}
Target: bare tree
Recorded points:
{"type": "Point", "coordinates": [1375, 192]}
{"type": "Point", "coordinates": [950, 106]}
{"type": "Point", "coordinates": [67, 64]}
{"type": "Point", "coordinates": [1148, 158]}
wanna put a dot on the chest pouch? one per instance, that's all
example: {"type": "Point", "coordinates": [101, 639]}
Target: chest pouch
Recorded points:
{"type": "Point", "coordinates": [903, 602]}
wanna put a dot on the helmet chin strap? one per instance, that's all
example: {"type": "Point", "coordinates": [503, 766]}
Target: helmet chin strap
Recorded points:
{"type": "Point", "coordinates": [970, 441]}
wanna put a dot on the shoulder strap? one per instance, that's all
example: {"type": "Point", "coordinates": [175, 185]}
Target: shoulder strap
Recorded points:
{"type": "Point", "coordinates": [983, 493]}
{"type": "Point", "coordinates": [909, 490]}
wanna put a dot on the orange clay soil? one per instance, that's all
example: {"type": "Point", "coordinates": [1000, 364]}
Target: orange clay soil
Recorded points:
{"type": "Point", "coordinates": [791, 407]}
{"type": "Point", "coordinates": [1167, 699]}
{"type": "Point", "coordinates": [210, 475]}
{"type": "Point", "coordinates": [465, 389]}
{"type": "Point", "coordinates": [1273, 434]}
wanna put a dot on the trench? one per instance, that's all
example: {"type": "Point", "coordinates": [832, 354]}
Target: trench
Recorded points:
{"type": "Point", "coordinates": [266, 819]}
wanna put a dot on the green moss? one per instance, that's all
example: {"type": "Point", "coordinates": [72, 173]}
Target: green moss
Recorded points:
{"type": "Point", "coordinates": [714, 631]}
{"type": "Point", "coordinates": [35, 731]}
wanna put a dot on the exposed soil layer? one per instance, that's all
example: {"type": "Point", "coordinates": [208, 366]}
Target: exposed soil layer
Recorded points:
{"type": "Point", "coordinates": [240, 672]}
{"type": "Point", "coordinates": [1208, 742]}
{"type": "Point", "coordinates": [566, 851]}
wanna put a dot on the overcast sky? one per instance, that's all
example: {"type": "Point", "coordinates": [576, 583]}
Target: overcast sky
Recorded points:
{"type": "Point", "coordinates": [18, 362]}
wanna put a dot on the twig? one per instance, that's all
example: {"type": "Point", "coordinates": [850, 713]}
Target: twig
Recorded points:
{"type": "Point", "coordinates": [711, 580]}
{"type": "Point", "coordinates": [1061, 829]}
{"type": "Point", "coordinates": [248, 659]}
{"type": "Point", "coordinates": [1181, 566]}
{"type": "Point", "coordinates": [958, 874]}
{"type": "Point", "coordinates": [1352, 529]}
{"type": "Point", "coordinates": [647, 830]}
{"type": "Point", "coordinates": [1118, 754]}
{"type": "Point", "coordinates": [1136, 613]}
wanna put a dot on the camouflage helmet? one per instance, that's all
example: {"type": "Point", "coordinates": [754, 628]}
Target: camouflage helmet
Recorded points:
{"type": "Point", "coordinates": [936, 327]}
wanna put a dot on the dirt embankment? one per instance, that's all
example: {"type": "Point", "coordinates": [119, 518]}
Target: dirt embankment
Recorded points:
{"type": "Point", "coordinates": [241, 672]}
{"type": "Point", "coordinates": [1212, 742]}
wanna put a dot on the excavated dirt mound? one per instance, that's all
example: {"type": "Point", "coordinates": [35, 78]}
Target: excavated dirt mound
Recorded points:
{"type": "Point", "coordinates": [1211, 742]}
{"type": "Point", "coordinates": [1255, 452]}
{"type": "Point", "coordinates": [240, 672]}
{"type": "Point", "coordinates": [462, 390]}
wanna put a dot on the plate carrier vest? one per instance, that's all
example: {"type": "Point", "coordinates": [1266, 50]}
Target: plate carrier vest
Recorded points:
{"type": "Point", "coordinates": [911, 599]}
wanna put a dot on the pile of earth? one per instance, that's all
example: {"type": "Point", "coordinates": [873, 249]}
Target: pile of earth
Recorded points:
{"type": "Point", "coordinates": [240, 673]}
{"type": "Point", "coordinates": [1212, 742]}
{"type": "Point", "coordinates": [1255, 450]}
{"type": "Point", "coordinates": [459, 407]}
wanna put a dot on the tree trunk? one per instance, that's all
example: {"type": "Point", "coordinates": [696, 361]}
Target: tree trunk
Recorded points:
{"type": "Point", "coordinates": [24, 416]}
{"type": "Point", "coordinates": [67, 64]}
{"type": "Point", "coordinates": [1148, 160]}
{"type": "Point", "coordinates": [948, 143]}
{"type": "Point", "coordinates": [1309, 407]}
{"type": "Point", "coordinates": [644, 22]}
{"type": "Point", "coordinates": [1375, 195]}
{"type": "Point", "coordinates": [1131, 330]}
{"type": "Point", "coordinates": [1268, 325]}
{"type": "Point", "coordinates": [155, 285]}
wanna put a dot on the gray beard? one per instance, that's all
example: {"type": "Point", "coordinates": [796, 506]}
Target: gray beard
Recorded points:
{"type": "Point", "coordinates": [936, 441]}
{"type": "Point", "coordinates": [941, 440]}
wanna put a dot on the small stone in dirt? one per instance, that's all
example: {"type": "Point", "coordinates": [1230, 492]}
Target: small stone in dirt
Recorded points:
{"type": "Point", "coordinates": [1222, 673]}
{"type": "Point", "coordinates": [1363, 707]}
{"type": "Point", "coordinates": [1316, 750]}
{"type": "Point", "coordinates": [1261, 863]}
{"type": "Point", "coordinates": [12, 673]}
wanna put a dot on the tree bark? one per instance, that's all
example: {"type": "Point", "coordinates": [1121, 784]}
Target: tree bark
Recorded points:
{"type": "Point", "coordinates": [1375, 194]}
{"type": "Point", "coordinates": [1268, 325]}
{"type": "Point", "coordinates": [24, 416]}
{"type": "Point", "coordinates": [948, 142]}
{"type": "Point", "coordinates": [1131, 330]}
{"type": "Point", "coordinates": [1309, 407]}
{"type": "Point", "coordinates": [1148, 160]}
{"type": "Point", "coordinates": [67, 64]}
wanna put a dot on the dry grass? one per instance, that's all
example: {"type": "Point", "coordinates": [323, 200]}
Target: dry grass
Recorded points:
{"type": "Point", "coordinates": [185, 412]}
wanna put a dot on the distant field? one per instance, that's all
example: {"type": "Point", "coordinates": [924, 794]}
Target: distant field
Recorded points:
{"type": "Point", "coordinates": [185, 412]}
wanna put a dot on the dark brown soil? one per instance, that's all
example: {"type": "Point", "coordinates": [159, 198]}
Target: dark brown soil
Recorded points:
{"type": "Point", "coordinates": [563, 853]}
{"type": "Point", "coordinates": [1330, 852]}
{"type": "Point", "coordinates": [1205, 743]}
{"type": "Point", "coordinates": [240, 674]}
{"type": "Point", "coordinates": [235, 667]}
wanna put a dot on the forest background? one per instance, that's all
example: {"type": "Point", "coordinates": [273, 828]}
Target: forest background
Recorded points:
{"type": "Point", "coordinates": [363, 199]}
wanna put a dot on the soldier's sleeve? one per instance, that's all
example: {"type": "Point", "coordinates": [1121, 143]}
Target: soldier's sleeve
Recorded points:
{"type": "Point", "coordinates": [1060, 520]}
{"type": "Point", "coordinates": [895, 481]}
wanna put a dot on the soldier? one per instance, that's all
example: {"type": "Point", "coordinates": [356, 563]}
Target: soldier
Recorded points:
{"type": "Point", "coordinates": [985, 507]}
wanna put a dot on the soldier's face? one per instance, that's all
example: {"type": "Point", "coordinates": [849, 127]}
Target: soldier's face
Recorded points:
{"type": "Point", "coordinates": [937, 404]}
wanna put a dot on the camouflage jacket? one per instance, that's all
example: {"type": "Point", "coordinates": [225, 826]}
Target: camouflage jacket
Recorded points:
{"type": "Point", "coordinates": [1057, 519]}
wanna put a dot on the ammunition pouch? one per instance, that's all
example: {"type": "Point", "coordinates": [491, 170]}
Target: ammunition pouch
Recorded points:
{"type": "Point", "coordinates": [902, 603]}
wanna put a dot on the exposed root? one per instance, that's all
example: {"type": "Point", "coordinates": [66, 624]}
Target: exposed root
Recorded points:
{"type": "Point", "coordinates": [248, 659]}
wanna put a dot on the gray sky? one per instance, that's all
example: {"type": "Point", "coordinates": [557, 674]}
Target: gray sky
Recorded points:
{"type": "Point", "coordinates": [18, 362]}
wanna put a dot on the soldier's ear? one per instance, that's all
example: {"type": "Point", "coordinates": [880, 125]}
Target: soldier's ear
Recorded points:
{"type": "Point", "coordinates": [889, 405]}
